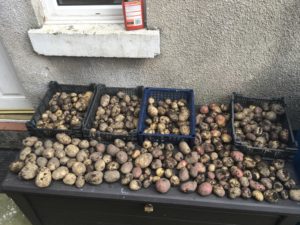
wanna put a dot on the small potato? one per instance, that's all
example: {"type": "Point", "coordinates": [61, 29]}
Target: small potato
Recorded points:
{"type": "Point", "coordinates": [95, 156]}
{"type": "Point", "coordinates": [78, 168]}
{"type": "Point", "coordinates": [48, 153]}
{"type": "Point", "coordinates": [71, 150]}
{"type": "Point", "coordinates": [84, 144]}
{"type": "Point", "coordinates": [82, 155]}
{"type": "Point", "coordinates": [126, 167]}
{"type": "Point", "coordinates": [16, 166]}
{"type": "Point", "coordinates": [60, 153]}
{"type": "Point", "coordinates": [218, 190]}
{"type": "Point", "coordinates": [70, 163]}
{"type": "Point", "coordinates": [119, 143]}
{"type": "Point", "coordinates": [184, 174]}
{"type": "Point", "coordinates": [111, 176]}
{"type": "Point", "coordinates": [43, 178]}
{"type": "Point", "coordinates": [144, 160]}
{"type": "Point", "coordinates": [75, 141]}
{"type": "Point", "coordinates": [30, 141]}
{"type": "Point", "coordinates": [41, 161]}
{"type": "Point", "coordinates": [163, 185]}
{"type": "Point", "coordinates": [184, 147]}
{"type": "Point", "coordinates": [80, 182]}
{"type": "Point", "coordinates": [53, 164]}
{"type": "Point", "coordinates": [205, 189]}
{"type": "Point", "coordinates": [30, 158]}
{"type": "Point", "coordinates": [188, 187]}
{"type": "Point", "coordinates": [99, 165]}
{"type": "Point", "coordinates": [121, 157]}
{"type": "Point", "coordinates": [95, 177]}
{"type": "Point", "coordinates": [25, 151]}
{"type": "Point", "coordinates": [64, 160]}
{"type": "Point", "coordinates": [63, 138]}
{"type": "Point", "coordinates": [70, 179]}
{"type": "Point", "coordinates": [60, 173]}
{"type": "Point", "coordinates": [29, 171]}
{"type": "Point", "coordinates": [104, 101]}
{"type": "Point", "coordinates": [58, 146]}
{"type": "Point", "coordinates": [137, 172]}
{"type": "Point", "coordinates": [100, 147]}
{"type": "Point", "coordinates": [135, 185]}
{"type": "Point", "coordinates": [237, 156]}
{"type": "Point", "coordinates": [112, 150]}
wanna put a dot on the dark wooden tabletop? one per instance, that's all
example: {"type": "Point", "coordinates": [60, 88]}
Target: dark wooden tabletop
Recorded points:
{"type": "Point", "coordinates": [118, 192]}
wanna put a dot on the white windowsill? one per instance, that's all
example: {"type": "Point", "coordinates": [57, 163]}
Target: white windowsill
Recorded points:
{"type": "Point", "coordinates": [95, 40]}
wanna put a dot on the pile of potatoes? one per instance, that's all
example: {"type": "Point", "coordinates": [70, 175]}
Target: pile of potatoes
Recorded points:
{"type": "Point", "coordinates": [227, 171]}
{"type": "Point", "coordinates": [117, 114]}
{"type": "Point", "coordinates": [168, 117]}
{"type": "Point", "coordinates": [260, 126]}
{"type": "Point", "coordinates": [211, 166]}
{"type": "Point", "coordinates": [66, 111]}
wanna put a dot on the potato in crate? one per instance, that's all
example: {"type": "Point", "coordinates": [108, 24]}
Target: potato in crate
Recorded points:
{"type": "Point", "coordinates": [167, 115]}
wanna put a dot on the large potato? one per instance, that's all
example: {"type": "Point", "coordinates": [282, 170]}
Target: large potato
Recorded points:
{"type": "Point", "coordinates": [95, 177]}
{"type": "Point", "coordinates": [43, 178]}
{"type": "Point", "coordinates": [144, 160]}
{"type": "Point", "coordinates": [29, 171]}
{"type": "Point", "coordinates": [60, 173]}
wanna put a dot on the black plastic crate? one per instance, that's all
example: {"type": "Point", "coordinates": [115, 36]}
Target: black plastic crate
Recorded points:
{"type": "Point", "coordinates": [106, 136]}
{"type": "Point", "coordinates": [291, 148]}
{"type": "Point", "coordinates": [43, 106]}
{"type": "Point", "coordinates": [161, 94]}
{"type": "Point", "coordinates": [6, 157]}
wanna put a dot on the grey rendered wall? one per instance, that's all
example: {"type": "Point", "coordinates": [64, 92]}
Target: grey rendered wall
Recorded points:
{"type": "Point", "coordinates": [213, 46]}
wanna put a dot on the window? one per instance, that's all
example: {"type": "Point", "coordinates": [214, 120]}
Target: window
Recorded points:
{"type": "Point", "coordinates": [82, 11]}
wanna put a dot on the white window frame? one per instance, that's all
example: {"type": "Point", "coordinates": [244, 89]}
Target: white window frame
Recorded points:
{"type": "Point", "coordinates": [81, 14]}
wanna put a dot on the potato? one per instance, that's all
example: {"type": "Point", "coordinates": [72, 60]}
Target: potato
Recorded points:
{"type": "Point", "coordinates": [99, 165]}
{"type": "Point", "coordinates": [39, 151]}
{"type": "Point", "coordinates": [152, 111]}
{"type": "Point", "coordinates": [256, 185]}
{"type": "Point", "coordinates": [29, 171]}
{"type": "Point", "coordinates": [70, 179]}
{"type": "Point", "coordinates": [60, 173]}
{"type": "Point", "coordinates": [95, 177]}
{"type": "Point", "coordinates": [64, 160]}
{"type": "Point", "coordinates": [78, 168]}
{"type": "Point", "coordinates": [24, 152]}
{"type": "Point", "coordinates": [58, 146]}
{"type": "Point", "coordinates": [95, 156]}
{"type": "Point", "coordinates": [53, 164]}
{"type": "Point", "coordinates": [126, 167]}
{"type": "Point", "coordinates": [234, 192]}
{"type": "Point", "coordinates": [75, 141]}
{"type": "Point", "coordinates": [119, 143]}
{"type": "Point", "coordinates": [43, 178]}
{"type": "Point", "coordinates": [111, 176]}
{"type": "Point", "coordinates": [30, 158]}
{"type": "Point", "coordinates": [80, 182]}
{"type": "Point", "coordinates": [84, 144]}
{"type": "Point", "coordinates": [121, 157]}
{"type": "Point", "coordinates": [48, 153]}
{"type": "Point", "coordinates": [137, 172]}
{"type": "Point", "coordinates": [104, 101]}
{"type": "Point", "coordinates": [135, 185]}
{"type": "Point", "coordinates": [295, 195]}
{"type": "Point", "coordinates": [218, 190]}
{"type": "Point", "coordinates": [71, 150]}
{"type": "Point", "coordinates": [189, 186]}
{"type": "Point", "coordinates": [63, 138]}
{"type": "Point", "coordinates": [184, 147]}
{"type": "Point", "coordinates": [112, 150]}
{"type": "Point", "coordinates": [184, 174]}
{"type": "Point", "coordinates": [237, 156]}
{"type": "Point", "coordinates": [29, 141]}
{"type": "Point", "coordinates": [41, 161]}
{"type": "Point", "coordinates": [82, 155]}
{"type": "Point", "coordinates": [16, 166]}
{"type": "Point", "coordinates": [60, 153]}
{"type": "Point", "coordinates": [48, 143]}
{"type": "Point", "coordinates": [163, 185]}
{"type": "Point", "coordinates": [144, 160]}
{"type": "Point", "coordinates": [205, 189]}
{"type": "Point", "coordinates": [100, 147]}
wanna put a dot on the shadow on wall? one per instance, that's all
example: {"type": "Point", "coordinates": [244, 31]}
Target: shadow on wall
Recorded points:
{"type": "Point", "coordinates": [282, 76]}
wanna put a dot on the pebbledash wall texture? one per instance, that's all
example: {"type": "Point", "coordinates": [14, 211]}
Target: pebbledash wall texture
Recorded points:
{"type": "Point", "coordinates": [215, 47]}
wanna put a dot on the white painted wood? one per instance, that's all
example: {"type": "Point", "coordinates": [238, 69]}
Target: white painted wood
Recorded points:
{"type": "Point", "coordinates": [49, 12]}
{"type": "Point", "coordinates": [11, 92]}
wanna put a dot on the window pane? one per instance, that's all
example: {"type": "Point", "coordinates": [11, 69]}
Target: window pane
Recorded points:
{"type": "Point", "coordinates": [89, 2]}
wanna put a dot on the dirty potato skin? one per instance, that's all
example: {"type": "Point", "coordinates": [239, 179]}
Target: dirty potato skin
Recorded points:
{"type": "Point", "coordinates": [43, 178]}
{"type": "Point", "coordinates": [163, 185]}
{"type": "Point", "coordinates": [16, 166]}
{"type": "Point", "coordinates": [60, 173]}
{"type": "Point", "coordinates": [29, 171]}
